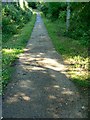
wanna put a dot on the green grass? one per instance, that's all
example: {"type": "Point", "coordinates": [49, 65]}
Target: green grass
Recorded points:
{"type": "Point", "coordinates": [12, 48]}
{"type": "Point", "coordinates": [75, 54]}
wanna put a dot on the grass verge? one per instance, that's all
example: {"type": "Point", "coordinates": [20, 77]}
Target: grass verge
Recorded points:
{"type": "Point", "coordinates": [13, 47]}
{"type": "Point", "coordinates": [75, 54]}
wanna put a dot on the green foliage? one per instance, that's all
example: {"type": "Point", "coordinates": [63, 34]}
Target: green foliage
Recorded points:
{"type": "Point", "coordinates": [16, 32]}
{"type": "Point", "coordinates": [13, 18]}
{"type": "Point", "coordinates": [74, 44]}
{"type": "Point", "coordinates": [44, 8]}
{"type": "Point", "coordinates": [79, 20]}
{"type": "Point", "coordinates": [33, 4]}
{"type": "Point", "coordinates": [53, 10]}
{"type": "Point", "coordinates": [75, 55]}
{"type": "Point", "coordinates": [80, 27]}
{"type": "Point", "coordinates": [8, 26]}
{"type": "Point", "coordinates": [12, 45]}
{"type": "Point", "coordinates": [62, 16]}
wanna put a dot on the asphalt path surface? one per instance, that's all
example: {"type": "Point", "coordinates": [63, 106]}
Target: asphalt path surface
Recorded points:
{"type": "Point", "coordinates": [40, 87]}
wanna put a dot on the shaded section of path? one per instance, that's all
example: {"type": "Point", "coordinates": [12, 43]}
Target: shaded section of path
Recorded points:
{"type": "Point", "coordinates": [0, 106]}
{"type": "Point", "coordinates": [39, 86]}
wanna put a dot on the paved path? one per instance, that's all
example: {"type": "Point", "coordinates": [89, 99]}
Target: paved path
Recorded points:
{"type": "Point", "coordinates": [39, 86]}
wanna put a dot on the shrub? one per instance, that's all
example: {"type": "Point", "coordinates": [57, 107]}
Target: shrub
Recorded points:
{"type": "Point", "coordinates": [14, 18]}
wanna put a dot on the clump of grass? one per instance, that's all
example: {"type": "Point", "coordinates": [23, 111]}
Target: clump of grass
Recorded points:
{"type": "Point", "coordinates": [74, 53]}
{"type": "Point", "coordinates": [13, 47]}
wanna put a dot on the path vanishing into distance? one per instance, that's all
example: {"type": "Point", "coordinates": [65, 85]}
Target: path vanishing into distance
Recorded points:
{"type": "Point", "coordinates": [39, 87]}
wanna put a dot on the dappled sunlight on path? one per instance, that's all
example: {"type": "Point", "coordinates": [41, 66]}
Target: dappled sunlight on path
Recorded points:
{"type": "Point", "coordinates": [39, 86]}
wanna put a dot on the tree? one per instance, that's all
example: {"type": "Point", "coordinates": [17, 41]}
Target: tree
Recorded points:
{"type": "Point", "coordinates": [68, 17]}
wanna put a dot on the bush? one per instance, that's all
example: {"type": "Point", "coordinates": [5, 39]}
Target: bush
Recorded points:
{"type": "Point", "coordinates": [14, 18]}
{"type": "Point", "coordinates": [8, 26]}
{"type": "Point", "coordinates": [79, 24]}
{"type": "Point", "coordinates": [53, 10]}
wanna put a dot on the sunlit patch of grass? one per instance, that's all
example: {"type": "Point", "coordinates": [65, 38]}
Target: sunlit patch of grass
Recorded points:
{"type": "Point", "coordinates": [80, 77]}
{"type": "Point", "coordinates": [75, 54]}
{"type": "Point", "coordinates": [12, 48]}
{"type": "Point", "coordinates": [9, 55]}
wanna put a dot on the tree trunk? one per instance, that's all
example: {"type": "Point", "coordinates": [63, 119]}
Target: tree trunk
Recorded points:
{"type": "Point", "coordinates": [68, 17]}
{"type": "Point", "coordinates": [21, 3]}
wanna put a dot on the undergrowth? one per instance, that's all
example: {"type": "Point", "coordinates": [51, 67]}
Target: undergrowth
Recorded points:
{"type": "Point", "coordinates": [75, 54]}
{"type": "Point", "coordinates": [13, 47]}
